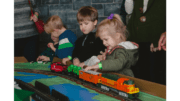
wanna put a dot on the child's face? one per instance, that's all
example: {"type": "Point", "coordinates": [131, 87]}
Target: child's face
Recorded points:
{"type": "Point", "coordinates": [87, 26]}
{"type": "Point", "coordinates": [55, 39]}
{"type": "Point", "coordinates": [55, 33]}
{"type": "Point", "coordinates": [108, 40]}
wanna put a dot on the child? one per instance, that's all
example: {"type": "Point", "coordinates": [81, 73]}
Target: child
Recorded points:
{"type": "Point", "coordinates": [120, 54]}
{"type": "Point", "coordinates": [67, 38]}
{"type": "Point", "coordinates": [49, 53]}
{"type": "Point", "coordinates": [87, 45]}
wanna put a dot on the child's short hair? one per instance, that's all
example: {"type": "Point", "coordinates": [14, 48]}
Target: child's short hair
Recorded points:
{"type": "Point", "coordinates": [113, 25]}
{"type": "Point", "coordinates": [87, 13]}
{"type": "Point", "coordinates": [54, 22]}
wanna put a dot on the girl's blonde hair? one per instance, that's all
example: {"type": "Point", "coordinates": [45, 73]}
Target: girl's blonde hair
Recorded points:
{"type": "Point", "coordinates": [54, 22]}
{"type": "Point", "coordinates": [113, 26]}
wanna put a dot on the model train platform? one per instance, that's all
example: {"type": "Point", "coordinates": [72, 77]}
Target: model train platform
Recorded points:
{"type": "Point", "coordinates": [39, 72]}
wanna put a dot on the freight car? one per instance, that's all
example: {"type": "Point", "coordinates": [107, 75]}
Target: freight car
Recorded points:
{"type": "Point", "coordinates": [58, 67]}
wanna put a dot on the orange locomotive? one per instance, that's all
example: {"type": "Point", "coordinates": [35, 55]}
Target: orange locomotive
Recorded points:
{"type": "Point", "coordinates": [122, 86]}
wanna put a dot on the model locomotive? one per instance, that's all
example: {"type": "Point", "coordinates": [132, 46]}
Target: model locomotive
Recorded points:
{"type": "Point", "coordinates": [122, 86]}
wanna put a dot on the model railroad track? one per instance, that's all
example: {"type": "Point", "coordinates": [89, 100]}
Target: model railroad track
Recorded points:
{"type": "Point", "coordinates": [38, 95]}
{"type": "Point", "coordinates": [80, 81]}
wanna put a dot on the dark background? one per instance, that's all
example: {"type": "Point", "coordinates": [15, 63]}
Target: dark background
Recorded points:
{"type": "Point", "coordinates": [67, 10]}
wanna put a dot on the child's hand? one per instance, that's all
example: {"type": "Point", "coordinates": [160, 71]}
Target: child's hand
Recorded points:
{"type": "Point", "coordinates": [50, 44]}
{"type": "Point", "coordinates": [34, 17]}
{"type": "Point", "coordinates": [38, 58]}
{"type": "Point", "coordinates": [44, 58]}
{"type": "Point", "coordinates": [81, 64]}
{"type": "Point", "coordinates": [64, 60]}
{"type": "Point", "coordinates": [76, 61]}
{"type": "Point", "coordinates": [94, 67]}
{"type": "Point", "coordinates": [102, 56]}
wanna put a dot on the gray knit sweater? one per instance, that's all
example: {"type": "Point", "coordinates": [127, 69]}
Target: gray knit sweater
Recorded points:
{"type": "Point", "coordinates": [23, 26]}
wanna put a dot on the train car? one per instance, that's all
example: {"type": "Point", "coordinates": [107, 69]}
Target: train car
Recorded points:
{"type": "Point", "coordinates": [70, 68]}
{"type": "Point", "coordinates": [58, 67]}
{"type": "Point", "coordinates": [123, 86]}
{"type": "Point", "coordinates": [74, 69]}
{"type": "Point", "coordinates": [90, 76]}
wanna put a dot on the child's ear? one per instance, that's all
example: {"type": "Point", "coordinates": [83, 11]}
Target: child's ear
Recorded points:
{"type": "Point", "coordinates": [95, 22]}
{"type": "Point", "coordinates": [118, 35]}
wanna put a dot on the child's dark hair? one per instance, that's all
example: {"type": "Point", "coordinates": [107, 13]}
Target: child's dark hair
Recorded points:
{"type": "Point", "coordinates": [87, 13]}
{"type": "Point", "coordinates": [114, 25]}
{"type": "Point", "coordinates": [54, 22]}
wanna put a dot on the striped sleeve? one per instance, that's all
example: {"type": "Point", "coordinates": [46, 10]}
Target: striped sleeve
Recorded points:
{"type": "Point", "coordinates": [64, 43]}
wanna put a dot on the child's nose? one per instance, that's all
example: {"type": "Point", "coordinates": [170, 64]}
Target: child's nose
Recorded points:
{"type": "Point", "coordinates": [104, 42]}
{"type": "Point", "coordinates": [82, 26]}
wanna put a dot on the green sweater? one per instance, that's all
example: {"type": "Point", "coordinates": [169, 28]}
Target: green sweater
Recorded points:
{"type": "Point", "coordinates": [153, 27]}
{"type": "Point", "coordinates": [121, 59]}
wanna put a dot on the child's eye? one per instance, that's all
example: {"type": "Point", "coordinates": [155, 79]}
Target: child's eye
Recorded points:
{"type": "Point", "coordinates": [86, 23]}
{"type": "Point", "coordinates": [104, 39]}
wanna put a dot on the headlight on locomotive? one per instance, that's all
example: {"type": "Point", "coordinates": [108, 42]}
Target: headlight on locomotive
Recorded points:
{"type": "Point", "coordinates": [131, 87]}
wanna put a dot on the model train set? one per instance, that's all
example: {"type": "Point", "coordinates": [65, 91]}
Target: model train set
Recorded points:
{"type": "Point", "coordinates": [109, 82]}
{"type": "Point", "coordinates": [30, 73]}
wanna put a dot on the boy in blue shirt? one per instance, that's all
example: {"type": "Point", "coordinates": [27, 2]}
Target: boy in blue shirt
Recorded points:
{"type": "Point", "coordinates": [48, 54]}
{"type": "Point", "coordinates": [67, 38]}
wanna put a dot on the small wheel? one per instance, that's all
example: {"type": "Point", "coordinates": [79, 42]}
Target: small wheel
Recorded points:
{"type": "Point", "coordinates": [97, 85]}
{"type": "Point", "coordinates": [136, 95]}
{"type": "Point", "coordinates": [63, 72]}
{"type": "Point", "coordinates": [69, 73]}
{"type": "Point", "coordinates": [53, 71]}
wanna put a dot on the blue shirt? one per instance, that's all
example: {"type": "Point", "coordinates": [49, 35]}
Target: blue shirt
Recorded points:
{"type": "Point", "coordinates": [66, 44]}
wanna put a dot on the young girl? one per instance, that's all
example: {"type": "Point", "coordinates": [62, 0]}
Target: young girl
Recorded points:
{"type": "Point", "coordinates": [120, 54]}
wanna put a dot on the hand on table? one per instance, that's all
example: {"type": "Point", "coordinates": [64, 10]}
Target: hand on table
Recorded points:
{"type": "Point", "coordinates": [81, 65]}
{"type": "Point", "coordinates": [64, 60]}
{"type": "Point", "coordinates": [43, 58]}
{"type": "Point", "coordinates": [94, 67]}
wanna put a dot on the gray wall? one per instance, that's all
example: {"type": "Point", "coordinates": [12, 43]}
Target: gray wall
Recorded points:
{"type": "Point", "coordinates": [67, 10]}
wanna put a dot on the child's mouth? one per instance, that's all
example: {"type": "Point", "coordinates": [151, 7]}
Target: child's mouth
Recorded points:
{"type": "Point", "coordinates": [107, 47]}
